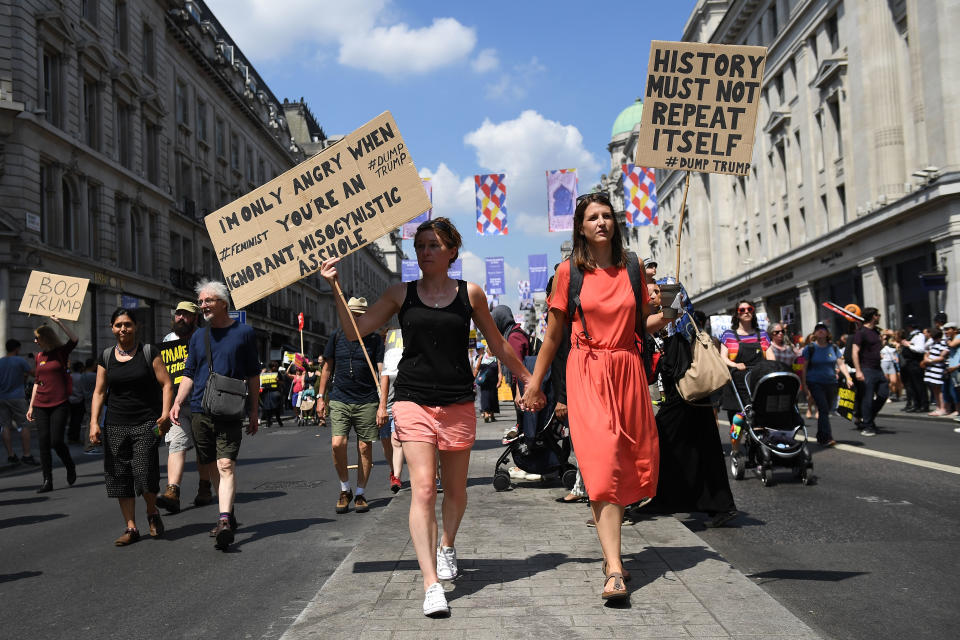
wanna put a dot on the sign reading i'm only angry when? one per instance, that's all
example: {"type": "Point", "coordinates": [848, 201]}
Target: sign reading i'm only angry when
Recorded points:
{"type": "Point", "coordinates": [700, 109]}
{"type": "Point", "coordinates": [331, 205]}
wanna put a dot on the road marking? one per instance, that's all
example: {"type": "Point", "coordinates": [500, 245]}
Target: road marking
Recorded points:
{"type": "Point", "coordinates": [879, 500]}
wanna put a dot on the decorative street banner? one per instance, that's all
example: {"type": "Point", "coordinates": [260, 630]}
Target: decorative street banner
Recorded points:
{"type": "Point", "coordinates": [456, 270]}
{"type": "Point", "coordinates": [491, 204]}
{"type": "Point", "coordinates": [561, 199]}
{"type": "Point", "coordinates": [174, 356]}
{"type": "Point", "coordinates": [409, 271]}
{"type": "Point", "coordinates": [537, 268]}
{"type": "Point", "coordinates": [494, 276]}
{"type": "Point", "coordinates": [331, 205]}
{"type": "Point", "coordinates": [700, 109]}
{"type": "Point", "coordinates": [639, 195]}
{"type": "Point", "coordinates": [525, 295]}
{"type": "Point", "coordinates": [720, 324]}
{"type": "Point", "coordinates": [409, 229]}
{"type": "Point", "coordinates": [50, 294]}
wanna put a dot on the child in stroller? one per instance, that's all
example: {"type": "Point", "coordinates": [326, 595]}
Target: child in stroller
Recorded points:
{"type": "Point", "coordinates": [769, 424]}
{"type": "Point", "coordinates": [308, 404]}
{"type": "Point", "coordinates": [542, 446]}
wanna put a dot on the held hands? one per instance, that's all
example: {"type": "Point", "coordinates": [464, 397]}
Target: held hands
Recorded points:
{"type": "Point", "coordinates": [328, 269]}
{"type": "Point", "coordinates": [532, 399]}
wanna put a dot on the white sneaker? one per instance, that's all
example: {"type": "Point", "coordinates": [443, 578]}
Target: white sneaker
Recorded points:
{"type": "Point", "coordinates": [517, 473]}
{"type": "Point", "coordinates": [446, 563]}
{"type": "Point", "coordinates": [532, 476]}
{"type": "Point", "coordinates": [435, 601]}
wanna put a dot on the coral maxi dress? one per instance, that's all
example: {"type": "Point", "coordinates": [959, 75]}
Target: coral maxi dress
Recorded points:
{"type": "Point", "coordinates": [611, 419]}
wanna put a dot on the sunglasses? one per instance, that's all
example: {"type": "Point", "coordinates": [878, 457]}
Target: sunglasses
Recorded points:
{"type": "Point", "coordinates": [745, 310]}
{"type": "Point", "coordinates": [596, 195]}
{"type": "Point", "coordinates": [776, 333]}
{"type": "Point", "coordinates": [434, 224]}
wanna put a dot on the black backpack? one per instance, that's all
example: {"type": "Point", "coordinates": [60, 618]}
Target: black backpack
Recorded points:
{"type": "Point", "coordinates": [533, 343]}
{"type": "Point", "coordinates": [147, 353]}
{"type": "Point", "coordinates": [637, 281]}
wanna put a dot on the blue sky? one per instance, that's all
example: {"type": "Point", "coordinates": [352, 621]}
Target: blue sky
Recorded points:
{"type": "Point", "coordinates": [476, 87]}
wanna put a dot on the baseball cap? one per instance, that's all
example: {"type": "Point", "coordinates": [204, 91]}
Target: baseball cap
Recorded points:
{"type": "Point", "coordinates": [188, 306]}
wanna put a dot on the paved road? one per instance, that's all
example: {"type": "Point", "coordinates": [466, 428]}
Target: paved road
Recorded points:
{"type": "Point", "coordinates": [61, 576]}
{"type": "Point", "coordinates": [871, 550]}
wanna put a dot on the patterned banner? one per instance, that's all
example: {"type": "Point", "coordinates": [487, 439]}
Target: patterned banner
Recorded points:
{"type": "Point", "coordinates": [409, 271]}
{"type": "Point", "coordinates": [456, 270]}
{"type": "Point", "coordinates": [409, 229]}
{"type": "Point", "coordinates": [526, 296]}
{"type": "Point", "coordinates": [639, 196]}
{"type": "Point", "coordinates": [491, 204]}
{"type": "Point", "coordinates": [537, 267]}
{"type": "Point", "coordinates": [561, 198]}
{"type": "Point", "coordinates": [494, 276]}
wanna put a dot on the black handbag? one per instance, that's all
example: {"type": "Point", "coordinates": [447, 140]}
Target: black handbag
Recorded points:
{"type": "Point", "coordinates": [224, 398]}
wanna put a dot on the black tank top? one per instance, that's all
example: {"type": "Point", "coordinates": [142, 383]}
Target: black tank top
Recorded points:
{"type": "Point", "coordinates": [435, 369]}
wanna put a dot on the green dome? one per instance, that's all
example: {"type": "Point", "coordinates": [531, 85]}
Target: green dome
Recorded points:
{"type": "Point", "coordinates": [628, 119]}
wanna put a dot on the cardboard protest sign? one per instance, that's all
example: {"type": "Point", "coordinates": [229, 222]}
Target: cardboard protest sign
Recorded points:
{"type": "Point", "coordinates": [174, 356]}
{"type": "Point", "coordinates": [338, 201]}
{"type": "Point", "coordinates": [700, 109]}
{"type": "Point", "coordinates": [846, 398]}
{"type": "Point", "coordinates": [50, 294]}
{"type": "Point", "coordinates": [268, 380]}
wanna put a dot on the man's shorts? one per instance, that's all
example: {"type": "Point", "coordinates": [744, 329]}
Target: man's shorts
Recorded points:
{"type": "Point", "coordinates": [361, 418]}
{"type": "Point", "coordinates": [451, 427]}
{"type": "Point", "coordinates": [180, 438]}
{"type": "Point", "coordinates": [13, 412]}
{"type": "Point", "coordinates": [216, 440]}
{"type": "Point", "coordinates": [386, 429]}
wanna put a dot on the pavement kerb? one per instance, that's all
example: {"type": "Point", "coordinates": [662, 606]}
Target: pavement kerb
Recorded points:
{"type": "Point", "coordinates": [531, 568]}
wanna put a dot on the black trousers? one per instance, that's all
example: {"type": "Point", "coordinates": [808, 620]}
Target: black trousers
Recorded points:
{"type": "Point", "coordinates": [916, 390]}
{"type": "Point", "coordinates": [51, 426]}
{"type": "Point", "coordinates": [875, 392]}
{"type": "Point", "coordinates": [76, 420]}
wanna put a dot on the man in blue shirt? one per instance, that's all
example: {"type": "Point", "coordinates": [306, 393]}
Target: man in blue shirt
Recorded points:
{"type": "Point", "coordinates": [14, 372]}
{"type": "Point", "coordinates": [233, 348]}
{"type": "Point", "coordinates": [353, 405]}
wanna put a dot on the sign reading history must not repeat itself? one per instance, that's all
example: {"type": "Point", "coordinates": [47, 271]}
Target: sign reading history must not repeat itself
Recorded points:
{"type": "Point", "coordinates": [50, 294]}
{"type": "Point", "coordinates": [338, 201]}
{"type": "Point", "coordinates": [700, 109]}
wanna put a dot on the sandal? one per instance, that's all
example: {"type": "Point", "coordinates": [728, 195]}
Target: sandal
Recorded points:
{"type": "Point", "coordinates": [619, 590]}
{"type": "Point", "coordinates": [576, 500]}
{"type": "Point", "coordinates": [626, 574]}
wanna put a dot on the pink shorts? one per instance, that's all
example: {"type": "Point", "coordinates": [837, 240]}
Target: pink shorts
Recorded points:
{"type": "Point", "coordinates": [450, 428]}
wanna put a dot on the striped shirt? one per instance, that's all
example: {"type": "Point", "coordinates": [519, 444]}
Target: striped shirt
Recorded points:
{"type": "Point", "coordinates": [933, 372]}
{"type": "Point", "coordinates": [729, 340]}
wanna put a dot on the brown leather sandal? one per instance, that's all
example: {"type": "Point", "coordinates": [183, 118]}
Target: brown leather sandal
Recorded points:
{"type": "Point", "coordinates": [626, 574]}
{"type": "Point", "coordinates": [619, 590]}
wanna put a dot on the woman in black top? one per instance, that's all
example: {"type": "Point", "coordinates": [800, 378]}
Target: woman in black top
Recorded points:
{"type": "Point", "coordinates": [140, 397]}
{"type": "Point", "coordinates": [433, 393]}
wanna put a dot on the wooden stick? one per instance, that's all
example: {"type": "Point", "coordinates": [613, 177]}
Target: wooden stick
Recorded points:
{"type": "Point", "coordinates": [683, 212]}
{"type": "Point", "coordinates": [353, 321]}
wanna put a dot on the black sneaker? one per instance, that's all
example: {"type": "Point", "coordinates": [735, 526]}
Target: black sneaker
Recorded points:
{"type": "Point", "coordinates": [13, 460]}
{"type": "Point", "coordinates": [721, 519]}
{"type": "Point", "coordinates": [223, 533]}
{"type": "Point", "coordinates": [30, 460]}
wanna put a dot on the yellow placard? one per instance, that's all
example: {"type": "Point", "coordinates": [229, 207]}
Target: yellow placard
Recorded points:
{"type": "Point", "coordinates": [51, 294]}
{"type": "Point", "coordinates": [504, 394]}
{"type": "Point", "coordinates": [338, 201]}
{"type": "Point", "coordinates": [700, 107]}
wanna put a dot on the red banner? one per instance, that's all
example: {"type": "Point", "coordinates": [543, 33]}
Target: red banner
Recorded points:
{"type": "Point", "coordinates": [300, 321]}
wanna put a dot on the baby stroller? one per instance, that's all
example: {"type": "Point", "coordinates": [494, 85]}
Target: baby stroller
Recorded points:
{"type": "Point", "coordinates": [772, 423]}
{"type": "Point", "coordinates": [542, 446]}
{"type": "Point", "coordinates": [308, 412]}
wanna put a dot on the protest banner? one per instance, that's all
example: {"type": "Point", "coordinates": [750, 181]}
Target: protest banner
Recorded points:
{"type": "Point", "coordinates": [700, 107]}
{"type": "Point", "coordinates": [329, 206]}
{"type": "Point", "coordinates": [409, 229]}
{"type": "Point", "coordinates": [409, 271]}
{"type": "Point", "coordinates": [456, 270]}
{"type": "Point", "coordinates": [495, 285]}
{"type": "Point", "coordinates": [50, 294]}
{"type": "Point", "coordinates": [537, 269]}
{"type": "Point", "coordinates": [174, 356]}
{"type": "Point", "coordinates": [269, 381]}
{"type": "Point", "coordinates": [561, 199]}
{"type": "Point", "coordinates": [846, 399]}
{"type": "Point", "coordinates": [394, 339]}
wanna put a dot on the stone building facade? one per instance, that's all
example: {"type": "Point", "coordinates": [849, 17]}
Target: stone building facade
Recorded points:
{"type": "Point", "coordinates": [853, 190]}
{"type": "Point", "coordinates": [122, 124]}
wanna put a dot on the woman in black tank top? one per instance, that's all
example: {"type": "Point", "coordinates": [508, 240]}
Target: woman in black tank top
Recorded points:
{"type": "Point", "coordinates": [434, 386]}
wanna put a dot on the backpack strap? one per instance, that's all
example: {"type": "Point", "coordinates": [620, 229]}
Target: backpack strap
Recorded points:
{"type": "Point", "coordinates": [148, 353]}
{"type": "Point", "coordinates": [106, 358]}
{"type": "Point", "coordinates": [573, 296]}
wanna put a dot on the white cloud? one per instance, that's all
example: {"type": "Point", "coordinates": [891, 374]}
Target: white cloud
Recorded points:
{"type": "Point", "coordinates": [514, 85]}
{"type": "Point", "coordinates": [452, 194]}
{"type": "Point", "coordinates": [486, 60]}
{"type": "Point", "coordinates": [363, 33]}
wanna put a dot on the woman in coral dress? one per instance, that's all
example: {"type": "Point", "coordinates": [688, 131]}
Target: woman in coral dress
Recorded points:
{"type": "Point", "coordinates": [611, 419]}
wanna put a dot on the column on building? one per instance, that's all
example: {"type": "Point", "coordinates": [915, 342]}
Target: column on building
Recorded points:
{"type": "Point", "coordinates": [948, 258]}
{"type": "Point", "coordinates": [808, 307]}
{"type": "Point", "coordinates": [874, 294]}
{"type": "Point", "coordinates": [883, 95]}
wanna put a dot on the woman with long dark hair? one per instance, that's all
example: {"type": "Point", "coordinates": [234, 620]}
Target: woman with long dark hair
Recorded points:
{"type": "Point", "coordinates": [49, 402]}
{"type": "Point", "coordinates": [608, 403]}
{"type": "Point", "coordinates": [822, 363]}
{"type": "Point", "coordinates": [742, 346]}
{"type": "Point", "coordinates": [433, 405]}
{"type": "Point", "coordinates": [138, 393]}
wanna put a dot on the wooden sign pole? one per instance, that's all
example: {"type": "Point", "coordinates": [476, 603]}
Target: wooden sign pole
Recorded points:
{"type": "Point", "coordinates": [683, 213]}
{"type": "Point", "coordinates": [353, 321]}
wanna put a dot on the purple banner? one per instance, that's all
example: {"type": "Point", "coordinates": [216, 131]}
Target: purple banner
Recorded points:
{"type": "Point", "coordinates": [537, 265]}
{"type": "Point", "coordinates": [561, 199]}
{"type": "Point", "coordinates": [409, 229]}
{"type": "Point", "coordinates": [494, 276]}
{"type": "Point", "coordinates": [456, 270]}
{"type": "Point", "coordinates": [409, 271]}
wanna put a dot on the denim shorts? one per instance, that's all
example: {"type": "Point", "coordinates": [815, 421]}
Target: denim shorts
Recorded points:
{"type": "Point", "coordinates": [889, 367]}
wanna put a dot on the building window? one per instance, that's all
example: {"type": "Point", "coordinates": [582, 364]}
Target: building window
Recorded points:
{"type": "Point", "coordinates": [91, 113]}
{"type": "Point", "coordinates": [204, 193]}
{"type": "Point", "coordinates": [820, 159]}
{"type": "Point", "coordinates": [249, 157]}
{"type": "Point", "coordinates": [52, 88]}
{"type": "Point", "coordinates": [826, 212]}
{"type": "Point", "coordinates": [261, 172]}
{"type": "Point", "coordinates": [149, 52]}
{"type": "Point", "coordinates": [152, 152]}
{"type": "Point", "coordinates": [69, 220]}
{"type": "Point", "coordinates": [220, 138]}
{"type": "Point", "coordinates": [124, 134]}
{"type": "Point", "coordinates": [812, 44]}
{"type": "Point", "coordinates": [136, 229]}
{"type": "Point", "coordinates": [88, 9]}
{"type": "Point", "coordinates": [206, 258]}
{"type": "Point", "coordinates": [184, 182]}
{"type": "Point", "coordinates": [234, 152]}
{"type": "Point", "coordinates": [778, 85]}
{"type": "Point", "coordinates": [798, 154]}
{"type": "Point", "coordinates": [93, 217]}
{"type": "Point", "coordinates": [842, 197]}
{"type": "Point", "coordinates": [44, 208]}
{"type": "Point", "coordinates": [201, 120]}
{"type": "Point", "coordinates": [786, 231]}
{"type": "Point", "coordinates": [121, 36]}
{"type": "Point", "coordinates": [772, 21]}
{"type": "Point", "coordinates": [833, 105]}
{"type": "Point", "coordinates": [832, 28]}
{"type": "Point", "coordinates": [181, 96]}
{"type": "Point", "coordinates": [187, 253]}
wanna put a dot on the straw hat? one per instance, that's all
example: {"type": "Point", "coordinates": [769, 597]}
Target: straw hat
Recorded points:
{"type": "Point", "coordinates": [357, 305]}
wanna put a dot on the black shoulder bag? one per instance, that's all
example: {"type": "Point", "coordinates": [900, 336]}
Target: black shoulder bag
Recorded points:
{"type": "Point", "coordinates": [224, 398]}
